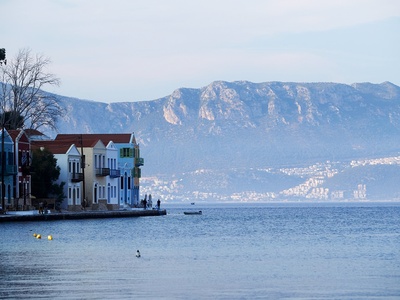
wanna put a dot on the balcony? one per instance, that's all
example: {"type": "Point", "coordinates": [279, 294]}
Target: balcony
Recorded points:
{"type": "Point", "coordinates": [9, 170]}
{"type": "Point", "coordinates": [76, 177]}
{"type": "Point", "coordinates": [139, 161]}
{"type": "Point", "coordinates": [102, 171]}
{"type": "Point", "coordinates": [12, 170]}
{"type": "Point", "coordinates": [136, 173]}
{"type": "Point", "coordinates": [115, 173]}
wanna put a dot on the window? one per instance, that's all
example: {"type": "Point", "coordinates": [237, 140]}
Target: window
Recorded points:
{"type": "Point", "coordinates": [126, 152]}
{"type": "Point", "coordinates": [73, 166]}
{"type": "Point", "coordinates": [69, 196]}
{"type": "Point", "coordinates": [10, 158]}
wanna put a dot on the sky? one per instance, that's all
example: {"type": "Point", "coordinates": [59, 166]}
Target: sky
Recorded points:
{"type": "Point", "coordinates": [131, 50]}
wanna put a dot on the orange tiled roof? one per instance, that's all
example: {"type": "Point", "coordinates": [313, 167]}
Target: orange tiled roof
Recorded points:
{"type": "Point", "coordinates": [55, 147]}
{"type": "Point", "coordinates": [87, 138]}
{"type": "Point", "coordinates": [13, 133]}
{"type": "Point", "coordinates": [31, 132]}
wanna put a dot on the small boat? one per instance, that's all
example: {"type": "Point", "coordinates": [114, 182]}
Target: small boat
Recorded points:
{"type": "Point", "coordinates": [192, 203]}
{"type": "Point", "coordinates": [193, 212]}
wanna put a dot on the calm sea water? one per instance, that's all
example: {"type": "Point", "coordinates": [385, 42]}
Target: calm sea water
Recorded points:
{"type": "Point", "coordinates": [272, 251]}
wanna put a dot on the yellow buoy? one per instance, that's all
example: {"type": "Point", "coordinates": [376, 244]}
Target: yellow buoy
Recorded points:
{"type": "Point", "coordinates": [49, 237]}
{"type": "Point", "coordinates": [34, 234]}
{"type": "Point", "coordinates": [38, 236]}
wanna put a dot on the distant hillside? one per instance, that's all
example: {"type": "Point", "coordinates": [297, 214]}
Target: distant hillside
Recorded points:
{"type": "Point", "coordinates": [232, 129]}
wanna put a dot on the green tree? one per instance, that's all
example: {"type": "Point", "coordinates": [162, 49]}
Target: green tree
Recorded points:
{"type": "Point", "coordinates": [44, 173]}
{"type": "Point", "coordinates": [58, 191]}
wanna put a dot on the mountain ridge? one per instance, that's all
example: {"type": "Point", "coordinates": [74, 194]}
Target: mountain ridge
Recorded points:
{"type": "Point", "coordinates": [243, 125]}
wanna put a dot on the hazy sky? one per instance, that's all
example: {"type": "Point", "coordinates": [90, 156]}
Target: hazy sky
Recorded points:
{"type": "Point", "coordinates": [129, 50]}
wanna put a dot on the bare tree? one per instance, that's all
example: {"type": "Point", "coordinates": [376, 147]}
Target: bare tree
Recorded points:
{"type": "Point", "coordinates": [23, 102]}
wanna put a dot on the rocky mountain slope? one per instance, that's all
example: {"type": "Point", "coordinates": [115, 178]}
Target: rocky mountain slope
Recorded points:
{"type": "Point", "coordinates": [239, 140]}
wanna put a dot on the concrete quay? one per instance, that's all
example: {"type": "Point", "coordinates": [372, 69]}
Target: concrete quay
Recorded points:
{"type": "Point", "coordinates": [35, 216]}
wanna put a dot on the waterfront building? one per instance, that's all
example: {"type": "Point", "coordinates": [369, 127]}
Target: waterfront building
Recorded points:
{"type": "Point", "coordinates": [69, 160]}
{"type": "Point", "coordinates": [96, 172]}
{"type": "Point", "coordinates": [122, 153]}
{"type": "Point", "coordinates": [100, 171]}
{"type": "Point", "coordinates": [22, 178]}
{"type": "Point", "coordinates": [8, 169]}
{"type": "Point", "coordinates": [112, 180]}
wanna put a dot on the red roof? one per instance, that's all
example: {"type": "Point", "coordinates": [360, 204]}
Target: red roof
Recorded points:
{"type": "Point", "coordinates": [13, 133]}
{"type": "Point", "coordinates": [55, 147]}
{"type": "Point", "coordinates": [88, 139]}
{"type": "Point", "coordinates": [31, 132]}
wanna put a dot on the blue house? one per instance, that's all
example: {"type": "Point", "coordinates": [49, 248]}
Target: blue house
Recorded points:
{"type": "Point", "coordinates": [8, 169]}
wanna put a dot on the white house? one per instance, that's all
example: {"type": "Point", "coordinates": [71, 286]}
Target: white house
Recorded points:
{"type": "Point", "coordinates": [112, 180]}
{"type": "Point", "coordinates": [69, 160]}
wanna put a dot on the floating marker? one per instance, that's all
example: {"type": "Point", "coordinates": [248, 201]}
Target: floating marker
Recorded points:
{"type": "Point", "coordinates": [38, 236]}
{"type": "Point", "coordinates": [49, 237]}
{"type": "Point", "coordinates": [34, 234]}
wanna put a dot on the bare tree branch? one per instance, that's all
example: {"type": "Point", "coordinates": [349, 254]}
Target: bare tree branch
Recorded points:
{"type": "Point", "coordinates": [22, 96]}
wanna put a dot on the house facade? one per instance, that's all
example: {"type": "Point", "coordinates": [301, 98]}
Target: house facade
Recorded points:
{"type": "Point", "coordinates": [112, 181]}
{"type": "Point", "coordinates": [73, 179]}
{"type": "Point", "coordinates": [96, 173]}
{"type": "Point", "coordinates": [111, 169]}
{"type": "Point", "coordinates": [69, 160]}
{"type": "Point", "coordinates": [99, 171]}
{"type": "Point", "coordinates": [8, 170]}
{"type": "Point", "coordinates": [22, 179]}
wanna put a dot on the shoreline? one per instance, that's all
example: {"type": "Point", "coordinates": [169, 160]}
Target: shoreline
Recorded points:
{"type": "Point", "coordinates": [14, 217]}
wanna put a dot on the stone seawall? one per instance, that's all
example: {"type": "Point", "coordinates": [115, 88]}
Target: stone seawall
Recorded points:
{"type": "Point", "coordinates": [81, 215]}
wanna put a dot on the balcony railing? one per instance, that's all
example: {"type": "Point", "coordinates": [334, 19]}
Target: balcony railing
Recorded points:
{"type": "Point", "coordinates": [9, 170]}
{"type": "Point", "coordinates": [139, 161]}
{"type": "Point", "coordinates": [76, 177]}
{"type": "Point", "coordinates": [102, 171]}
{"type": "Point", "coordinates": [136, 173]}
{"type": "Point", "coordinates": [115, 173]}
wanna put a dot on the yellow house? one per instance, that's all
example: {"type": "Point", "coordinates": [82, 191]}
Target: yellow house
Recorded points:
{"type": "Point", "coordinates": [95, 170]}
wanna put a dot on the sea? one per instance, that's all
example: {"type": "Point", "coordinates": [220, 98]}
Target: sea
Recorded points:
{"type": "Point", "coordinates": [231, 251]}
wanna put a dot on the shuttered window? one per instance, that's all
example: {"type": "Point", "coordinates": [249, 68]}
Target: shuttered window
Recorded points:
{"type": "Point", "coordinates": [126, 152]}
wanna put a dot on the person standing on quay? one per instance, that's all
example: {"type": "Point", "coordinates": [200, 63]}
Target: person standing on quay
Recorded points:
{"type": "Point", "coordinates": [158, 204]}
{"type": "Point", "coordinates": [144, 203]}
